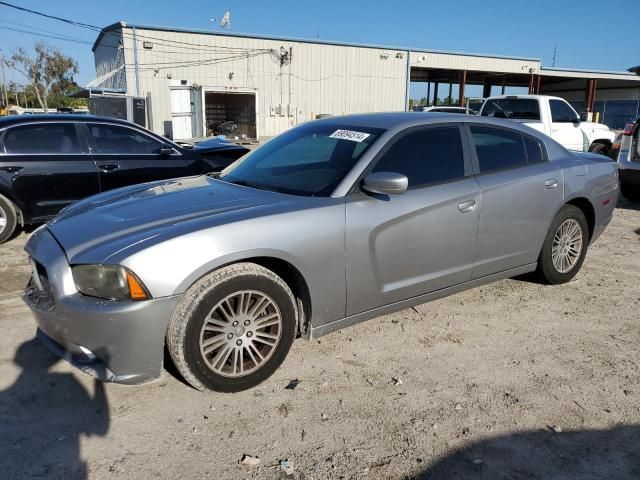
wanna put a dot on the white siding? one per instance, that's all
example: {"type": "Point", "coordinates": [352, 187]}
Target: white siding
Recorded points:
{"type": "Point", "coordinates": [473, 62]}
{"type": "Point", "coordinates": [320, 79]}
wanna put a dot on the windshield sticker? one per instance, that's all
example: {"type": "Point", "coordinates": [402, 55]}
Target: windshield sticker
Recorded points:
{"type": "Point", "coordinates": [350, 135]}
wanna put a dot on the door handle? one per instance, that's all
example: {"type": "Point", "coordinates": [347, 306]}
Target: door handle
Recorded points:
{"type": "Point", "coordinates": [11, 169]}
{"type": "Point", "coordinates": [468, 206]}
{"type": "Point", "coordinates": [551, 183]}
{"type": "Point", "coordinates": [109, 167]}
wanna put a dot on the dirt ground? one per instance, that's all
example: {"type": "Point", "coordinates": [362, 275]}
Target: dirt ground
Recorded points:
{"type": "Point", "coordinates": [510, 381]}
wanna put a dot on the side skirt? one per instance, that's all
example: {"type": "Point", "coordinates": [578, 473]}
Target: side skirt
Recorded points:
{"type": "Point", "coordinates": [321, 330]}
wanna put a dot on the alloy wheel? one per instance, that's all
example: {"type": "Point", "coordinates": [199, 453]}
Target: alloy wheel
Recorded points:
{"type": "Point", "coordinates": [567, 245]}
{"type": "Point", "coordinates": [240, 333]}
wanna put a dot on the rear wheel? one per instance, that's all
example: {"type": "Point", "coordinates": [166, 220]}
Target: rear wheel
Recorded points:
{"type": "Point", "coordinates": [8, 219]}
{"type": "Point", "coordinates": [233, 328]}
{"type": "Point", "coordinates": [565, 246]}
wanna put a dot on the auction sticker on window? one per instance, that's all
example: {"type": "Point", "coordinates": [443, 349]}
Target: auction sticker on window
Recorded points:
{"type": "Point", "coordinates": [350, 135]}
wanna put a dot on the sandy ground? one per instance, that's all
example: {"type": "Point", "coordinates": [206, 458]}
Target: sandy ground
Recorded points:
{"type": "Point", "coordinates": [510, 381]}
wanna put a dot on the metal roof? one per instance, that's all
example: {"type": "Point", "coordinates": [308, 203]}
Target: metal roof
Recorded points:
{"type": "Point", "coordinates": [260, 36]}
{"type": "Point", "coordinates": [550, 71]}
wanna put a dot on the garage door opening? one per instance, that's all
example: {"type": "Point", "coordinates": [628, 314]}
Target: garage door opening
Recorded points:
{"type": "Point", "coordinates": [222, 110]}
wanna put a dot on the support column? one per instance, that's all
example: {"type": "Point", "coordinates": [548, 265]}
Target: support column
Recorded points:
{"type": "Point", "coordinates": [435, 93]}
{"type": "Point", "coordinates": [486, 90]}
{"type": "Point", "coordinates": [502, 89]}
{"type": "Point", "coordinates": [463, 84]}
{"type": "Point", "coordinates": [538, 79]}
{"type": "Point", "coordinates": [531, 78]}
{"type": "Point", "coordinates": [428, 93]}
{"type": "Point", "coordinates": [449, 97]}
{"type": "Point", "coordinates": [590, 94]}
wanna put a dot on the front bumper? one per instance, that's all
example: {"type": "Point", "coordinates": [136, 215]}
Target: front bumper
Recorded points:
{"type": "Point", "coordinates": [114, 341]}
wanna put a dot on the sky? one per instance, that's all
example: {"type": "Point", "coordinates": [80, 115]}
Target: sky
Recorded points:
{"type": "Point", "coordinates": [587, 33]}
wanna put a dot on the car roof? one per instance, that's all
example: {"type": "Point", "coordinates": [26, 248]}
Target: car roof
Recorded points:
{"type": "Point", "coordinates": [399, 120]}
{"type": "Point", "coordinates": [56, 117]}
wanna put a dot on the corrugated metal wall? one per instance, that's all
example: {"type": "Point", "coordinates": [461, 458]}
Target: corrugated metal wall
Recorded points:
{"type": "Point", "coordinates": [108, 56]}
{"type": "Point", "coordinates": [319, 79]}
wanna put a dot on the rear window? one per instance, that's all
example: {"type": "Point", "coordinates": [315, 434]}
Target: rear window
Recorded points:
{"type": "Point", "coordinates": [41, 138]}
{"type": "Point", "coordinates": [514, 108]}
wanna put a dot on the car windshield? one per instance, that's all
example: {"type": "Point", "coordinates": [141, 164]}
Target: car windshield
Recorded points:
{"type": "Point", "coordinates": [308, 160]}
{"type": "Point", "coordinates": [514, 108]}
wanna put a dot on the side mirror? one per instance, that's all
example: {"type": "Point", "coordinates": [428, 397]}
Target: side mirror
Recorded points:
{"type": "Point", "coordinates": [165, 150]}
{"type": "Point", "coordinates": [584, 116]}
{"type": "Point", "coordinates": [386, 183]}
{"type": "Point", "coordinates": [577, 120]}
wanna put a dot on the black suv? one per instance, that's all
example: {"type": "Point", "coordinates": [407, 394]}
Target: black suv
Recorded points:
{"type": "Point", "coordinates": [50, 161]}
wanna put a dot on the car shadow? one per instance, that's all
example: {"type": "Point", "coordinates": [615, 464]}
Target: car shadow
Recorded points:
{"type": "Point", "coordinates": [44, 415]}
{"type": "Point", "coordinates": [572, 455]}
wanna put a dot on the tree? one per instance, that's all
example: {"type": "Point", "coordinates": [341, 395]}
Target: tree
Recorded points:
{"type": "Point", "coordinates": [48, 67]}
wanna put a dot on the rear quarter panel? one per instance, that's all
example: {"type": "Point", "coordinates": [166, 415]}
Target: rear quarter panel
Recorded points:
{"type": "Point", "coordinates": [594, 177]}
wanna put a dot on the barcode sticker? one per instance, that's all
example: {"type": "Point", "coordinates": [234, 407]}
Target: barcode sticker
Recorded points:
{"type": "Point", "coordinates": [350, 135]}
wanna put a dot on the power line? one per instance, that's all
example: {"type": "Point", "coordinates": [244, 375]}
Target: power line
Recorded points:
{"type": "Point", "coordinates": [174, 43]}
{"type": "Point", "coordinates": [53, 17]}
{"type": "Point", "coordinates": [55, 37]}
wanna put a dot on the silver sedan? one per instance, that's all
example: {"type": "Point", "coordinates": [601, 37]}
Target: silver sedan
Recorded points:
{"type": "Point", "coordinates": [331, 223]}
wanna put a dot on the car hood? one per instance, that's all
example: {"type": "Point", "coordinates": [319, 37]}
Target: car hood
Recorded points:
{"type": "Point", "coordinates": [100, 226]}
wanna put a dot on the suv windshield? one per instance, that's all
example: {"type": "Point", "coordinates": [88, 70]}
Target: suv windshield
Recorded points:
{"type": "Point", "coordinates": [309, 160]}
{"type": "Point", "coordinates": [514, 108]}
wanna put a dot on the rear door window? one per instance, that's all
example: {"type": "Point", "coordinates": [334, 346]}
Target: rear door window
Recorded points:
{"type": "Point", "coordinates": [42, 138]}
{"type": "Point", "coordinates": [115, 139]}
{"type": "Point", "coordinates": [426, 156]}
{"type": "Point", "coordinates": [498, 149]}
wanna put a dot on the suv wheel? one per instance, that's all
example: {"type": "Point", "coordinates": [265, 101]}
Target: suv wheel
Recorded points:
{"type": "Point", "coordinates": [233, 328]}
{"type": "Point", "coordinates": [8, 219]}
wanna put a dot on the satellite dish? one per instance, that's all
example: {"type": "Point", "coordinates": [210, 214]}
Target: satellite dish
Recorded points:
{"type": "Point", "coordinates": [226, 20]}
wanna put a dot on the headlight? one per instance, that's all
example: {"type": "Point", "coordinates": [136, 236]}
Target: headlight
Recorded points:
{"type": "Point", "coordinates": [112, 282]}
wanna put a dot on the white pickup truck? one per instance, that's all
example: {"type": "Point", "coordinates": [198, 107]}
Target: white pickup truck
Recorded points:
{"type": "Point", "coordinates": [553, 116]}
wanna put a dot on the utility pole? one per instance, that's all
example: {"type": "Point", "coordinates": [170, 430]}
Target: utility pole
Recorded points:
{"type": "Point", "coordinates": [555, 50]}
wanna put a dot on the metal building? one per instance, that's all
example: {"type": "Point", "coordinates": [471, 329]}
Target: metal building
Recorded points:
{"type": "Point", "coordinates": [189, 81]}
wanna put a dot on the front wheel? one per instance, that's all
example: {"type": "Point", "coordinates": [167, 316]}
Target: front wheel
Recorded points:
{"type": "Point", "coordinates": [233, 328]}
{"type": "Point", "coordinates": [565, 246]}
{"type": "Point", "coordinates": [8, 219]}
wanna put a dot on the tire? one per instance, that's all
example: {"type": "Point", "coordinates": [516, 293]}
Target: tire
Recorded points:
{"type": "Point", "coordinates": [551, 272]}
{"type": "Point", "coordinates": [630, 192]}
{"type": "Point", "coordinates": [600, 148]}
{"type": "Point", "coordinates": [216, 301]}
{"type": "Point", "coordinates": [8, 219]}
